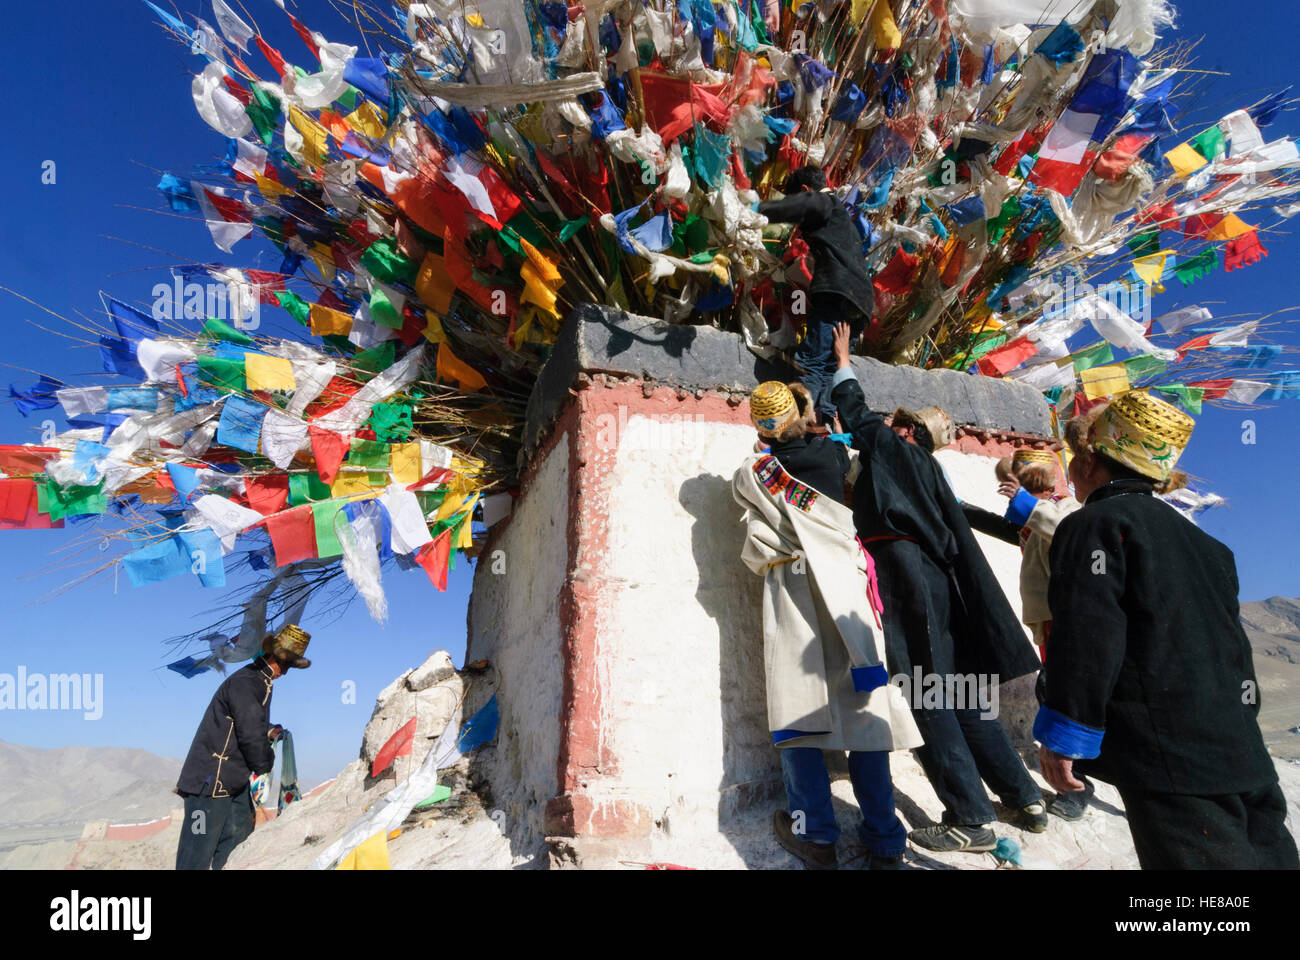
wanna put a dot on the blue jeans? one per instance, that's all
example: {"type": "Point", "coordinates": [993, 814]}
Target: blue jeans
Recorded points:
{"type": "Point", "coordinates": [808, 791]}
{"type": "Point", "coordinates": [816, 352]}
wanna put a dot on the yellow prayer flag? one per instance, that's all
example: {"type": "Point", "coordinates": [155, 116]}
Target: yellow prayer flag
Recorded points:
{"type": "Point", "coordinates": [1185, 160]}
{"type": "Point", "coordinates": [466, 538]}
{"type": "Point", "coordinates": [883, 28]}
{"type": "Point", "coordinates": [404, 462]}
{"type": "Point", "coordinates": [433, 328]}
{"type": "Point", "coordinates": [349, 483]}
{"type": "Point", "coordinates": [545, 266]}
{"type": "Point", "coordinates": [1151, 268]}
{"type": "Point", "coordinates": [326, 321]}
{"type": "Point", "coordinates": [371, 854]}
{"type": "Point", "coordinates": [1099, 382]}
{"type": "Point", "coordinates": [366, 120]}
{"type": "Point", "coordinates": [315, 138]}
{"type": "Point", "coordinates": [270, 188]}
{"type": "Point", "coordinates": [1229, 227]}
{"type": "Point", "coordinates": [536, 290]}
{"type": "Point", "coordinates": [268, 373]}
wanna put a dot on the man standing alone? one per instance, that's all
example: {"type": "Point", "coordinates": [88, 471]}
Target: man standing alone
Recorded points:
{"type": "Point", "coordinates": [233, 742]}
{"type": "Point", "coordinates": [1150, 683]}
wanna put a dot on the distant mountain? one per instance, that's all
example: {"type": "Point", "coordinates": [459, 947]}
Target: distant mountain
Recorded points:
{"type": "Point", "coordinates": [49, 788]}
{"type": "Point", "coordinates": [1273, 626]}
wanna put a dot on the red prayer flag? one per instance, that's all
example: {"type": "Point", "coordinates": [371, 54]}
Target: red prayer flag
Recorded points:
{"type": "Point", "coordinates": [229, 208]}
{"type": "Point", "coordinates": [266, 282]}
{"type": "Point", "coordinates": [21, 459]}
{"type": "Point", "coordinates": [434, 558]}
{"type": "Point", "coordinates": [897, 276]}
{"type": "Point", "coordinates": [1007, 357]}
{"type": "Point", "coordinates": [305, 34]}
{"type": "Point", "coordinates": [1060, 176]}
{"type": "Point", "coordinates": [398, 745]}
{"type": "Point", "coordinates": [1244, 250]}
{"type": "Point", "coordinates": [272, 56]}
{"type": "Point", "coordinates": [268, 494]}
{"type": "Point", "coordinates": [328, 448]}
{"type": "Point", "coordinates": [293, 535]}
{"type": "Point", "coordinates": [1196, 343]}
{"type": "Point", "coordinates": [336, 393]}
{"type": "Point", "coordinates": [17, 497]}
{"type": "Point", "coordinates": [1214, 389]}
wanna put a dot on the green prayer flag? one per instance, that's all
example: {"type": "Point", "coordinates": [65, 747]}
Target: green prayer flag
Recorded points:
{"type": "Point", "coordinates": [391, 421]}
{"type": "Point", "coordinates": [72, 500]}
{"type": "Point", "coordinates": [440, 793]}
{"type": "Point", "coordinates": [1210, 143]}
{"type": "Point", "coordinates": [379, 357]}
{"type": "Point", "coordinates": [223, 373]}
{"type": "Point", "coordinates": [1145, 365]}
{"type": "Point", "coordinates": [305, 488]}
{"type": "Point", "coordinates": [323, 514]}
{"type": "Point", "coordinates": [430, 500]}
{"type": "Point", "coordinates": [264, 111]}
{"type": "Point", "coordinates": [986, 343]}
{"type": "Point", "coordinates": [1198, 266]}
{"type": "Point", "coordinates": [571, 227]}
{"type": "Point", "coordinates": [1093, 357]}
{"type": "Point", "coordinates": [220, 330]}
{"type": "Point", "coordinates": [1145, 244]}
{"type": "Point", "coordinates": [371, 454]}
{"type": "Point", "coordinates": [295, 306]}
{"type": "Point", "coordinates": [1189, 397]}
{"type": "Point", "coordinates": [349, 98]}
{"type": "Point", "coordinates": [382, 310]}
{"type": "Point", "coordinates": [386, 263]}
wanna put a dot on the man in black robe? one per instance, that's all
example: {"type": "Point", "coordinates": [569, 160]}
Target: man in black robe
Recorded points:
{"type": "Point", "coordinates": [233, 743]}
{"type": "Point", "coordinates": [840, 290]}
{"type": "Point", "coordinates": [1150, 684]}
{"type": "Point", "coordinates": [944, 613]}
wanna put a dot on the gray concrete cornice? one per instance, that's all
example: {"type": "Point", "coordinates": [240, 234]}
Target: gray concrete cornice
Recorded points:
{"type": "Point", "coordinates": [602, 340]}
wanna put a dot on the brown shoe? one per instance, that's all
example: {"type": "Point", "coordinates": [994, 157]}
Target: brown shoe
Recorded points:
{"type": "Point", "coordinates": [815, 856]}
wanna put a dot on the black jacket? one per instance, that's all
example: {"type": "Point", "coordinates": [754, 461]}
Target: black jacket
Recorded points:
{"type": "Point", "coordinates": [839, 266]}
{"type": "Point", "coordinates": [820, 462]}
{"type": "Point", "coordinates": [1147, 650]}
{"type": "Point", "coordinates": [901, 493]}
{"type": "Point", "coordinates": [231, 742]}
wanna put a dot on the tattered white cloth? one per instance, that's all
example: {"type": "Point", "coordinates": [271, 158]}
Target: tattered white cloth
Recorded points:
{"type": "Point", "coordinates": [823, 650]}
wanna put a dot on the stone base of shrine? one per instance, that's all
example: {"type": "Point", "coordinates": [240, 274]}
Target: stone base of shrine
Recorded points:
{"type": "Point", "coordinates": [613, 604]}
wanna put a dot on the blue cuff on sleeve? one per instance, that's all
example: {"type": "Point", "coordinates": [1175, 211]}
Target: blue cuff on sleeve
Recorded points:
{"type": "Point", "coordinates": [1059, 733]}
{"type": "Point", "coordinates": [1021, 506]}
{"type": "Point", "coordinates": [780, 736]}
{"type": "Point", "coordinates": [866, 679]}
{"type": "Point", "coordinates": [842, 374]}
{"type": "Point", "coordinates": [844, 438]}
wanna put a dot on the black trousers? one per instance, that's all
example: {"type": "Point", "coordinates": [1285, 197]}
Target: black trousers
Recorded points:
{"type": "Point", "coordinates": [213, 827]}
{"type": "Point", "coordinates": [1235, 831]}
{"type": "Point", "coordinates": [961, 750]}
{"type": "Point", "coordinates": [923, 629]}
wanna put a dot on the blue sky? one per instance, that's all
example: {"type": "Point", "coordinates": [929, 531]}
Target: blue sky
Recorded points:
{"type": "Point", "coordinates": [106, 96]}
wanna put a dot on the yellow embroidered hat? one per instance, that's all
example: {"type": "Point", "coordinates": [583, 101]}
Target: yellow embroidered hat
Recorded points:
{"type": "Point", "coordinates": [1030, 455]}
{"type": "Point", "coordinates": [288, 645]}
{"type": "Point", "coordinates": [772, 408]}
{"type": "Point", "coordinates": [935, 420]}
{"type": "Point", "coordinates": [1143, 433]}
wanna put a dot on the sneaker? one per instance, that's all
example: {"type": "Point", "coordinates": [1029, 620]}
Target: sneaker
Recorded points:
{"type": "Point", "coordinates": [1032, 818]}
{"type": "Point", "coordinates": [1071, 806]}
{"type": "Point", "coordinates": [954, 838]}
{"type": "Point", "coordinates": [815, 856]}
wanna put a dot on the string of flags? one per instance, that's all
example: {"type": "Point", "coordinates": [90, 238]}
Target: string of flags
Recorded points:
{"type": "Point", "coordinates": [441, 196]}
